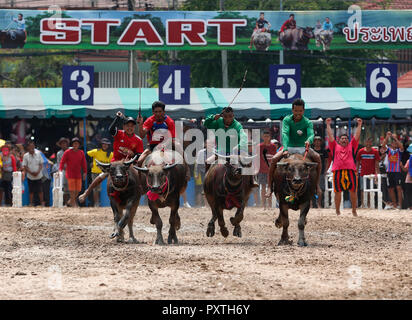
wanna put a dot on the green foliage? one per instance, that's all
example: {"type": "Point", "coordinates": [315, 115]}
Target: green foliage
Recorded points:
{"type": "Point", "coordinates": [33, 71]}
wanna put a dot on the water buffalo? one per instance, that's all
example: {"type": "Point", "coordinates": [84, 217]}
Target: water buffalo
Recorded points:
{"type": "Point", "coordinates": [262, 40]}
{"type": "Point", "coordinates": [324, 38]}
{"type": "Point", "coordinates": [124, 187]}
{"type": "Point", "coordinates": [294, 187]}
{"type": "Point", "coordinates": [225, 188]}
{"type": "Point", "coordinates": [296, 39]}
{"type": "Point", "coordinates": [165, 174]}
{"type": "Point", "coordinates": [12, 38]}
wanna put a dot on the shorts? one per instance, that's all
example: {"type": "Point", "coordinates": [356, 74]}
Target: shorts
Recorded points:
{"type": "Point", "coordinates": [94, 176]}
{"type": "Point", "coordinates": [345, 180]}
{"type": "Point", "coordinates": [35, 186]}
{"type": "Point", "coordinates": [262, 178]}
{"type": "Point", "coordinates": [394, 179]}
{"type": "Point", "coordinates": [75, 184]}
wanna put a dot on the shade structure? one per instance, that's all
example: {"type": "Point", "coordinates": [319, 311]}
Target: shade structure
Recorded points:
{"type": "Point", "coordinates": [251, 103]}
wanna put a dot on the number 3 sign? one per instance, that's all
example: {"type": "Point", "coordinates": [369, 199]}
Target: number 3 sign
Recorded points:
{"type": "Point", "coordinates": [381, 83]}
{"type": "Point", "coordinates": [78, 84]}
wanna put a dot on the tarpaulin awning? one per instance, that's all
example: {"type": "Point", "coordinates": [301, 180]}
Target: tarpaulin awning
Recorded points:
{"type": "Point", "coordinates": [251, 103]}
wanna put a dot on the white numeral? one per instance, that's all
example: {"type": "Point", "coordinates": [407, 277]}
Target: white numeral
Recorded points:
{"type": "Point", "coordinates": [282, 77]}
{"type": "Point", "coordinates": [84, 84]}
{"type": "Point", "coordinates": [178, 90]}
{"type": "Point", "coordinates": [374, 81]}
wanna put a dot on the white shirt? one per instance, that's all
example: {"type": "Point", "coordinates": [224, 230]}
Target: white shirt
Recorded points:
{"type": "Point", "coordinates": [33, 162]}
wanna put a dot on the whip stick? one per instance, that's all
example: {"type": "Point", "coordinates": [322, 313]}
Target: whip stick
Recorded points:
{"type": "Point", "coordinates": [240, 89]}
{"type": "Point", "coordinates": [140, 102]}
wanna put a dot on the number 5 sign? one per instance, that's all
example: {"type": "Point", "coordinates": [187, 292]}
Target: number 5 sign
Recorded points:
{"type": "Point", "coordinates": [284, 82]}
{"type": "Point", "coordinates": [381, 83]}
{"type": "Point", "coordinates": [78, 84]}
{"type": "Point", "coordinates": [174, 84]}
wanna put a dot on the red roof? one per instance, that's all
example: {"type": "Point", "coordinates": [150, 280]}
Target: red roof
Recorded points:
{"type": "Point", "coordinates": [405, 81]}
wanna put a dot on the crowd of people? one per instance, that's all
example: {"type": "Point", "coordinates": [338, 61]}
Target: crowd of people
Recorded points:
{"type": "Point", "coordinates": [343, 156]}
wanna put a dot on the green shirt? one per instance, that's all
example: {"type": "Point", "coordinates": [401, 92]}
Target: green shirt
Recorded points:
{"type": "Point", "coordinates": [295, 134]}
{"type": "Point", "coordinates": [211, 123]}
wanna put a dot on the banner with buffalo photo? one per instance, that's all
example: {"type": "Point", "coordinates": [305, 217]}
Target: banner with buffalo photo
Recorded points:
{"type": "Point", "coordinates": [206, 30]}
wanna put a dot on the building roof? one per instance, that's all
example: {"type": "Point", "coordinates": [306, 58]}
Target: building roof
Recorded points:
{"type": "Point", "coordinates": [405, 81]}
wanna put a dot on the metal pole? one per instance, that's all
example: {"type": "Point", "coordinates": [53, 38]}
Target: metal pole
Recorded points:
{"type": "Point", "coordinates": [281, 60]}
{"type": "Point", "coordinates": [85, 152]}
{"type": "Point", "coordinates": [223, 53]}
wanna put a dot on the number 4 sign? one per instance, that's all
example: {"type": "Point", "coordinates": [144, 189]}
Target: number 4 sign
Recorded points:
{"type": "Point", "coordinates": [78, 84]}
{"type": "Point", "coordinates": [174, 84]}
{"type": "Point", "coordinates": [381, 83]}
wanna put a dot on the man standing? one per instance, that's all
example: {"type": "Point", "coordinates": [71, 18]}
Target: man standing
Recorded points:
{"type": "Point", "coordinates": [324, 154]}
{"type": "Point", "coordinates": [344, 169]}
{"type": "Point", "coordinates": [394, 170]}
{"type": "Point", "coordinates": [33, 166]}
{"type": "Point", "coordinates": [270, 149]}
{"type": "Point", "coordinates": [102, 155]}
{"type": "Point", "coordinates": [368, 159]}
{"type": "Point", "coordinates": [75, 162]}
{"type": "Point", "coordinates": [63, 143]}
{"type": "Point", "coordinates": [7, 167]}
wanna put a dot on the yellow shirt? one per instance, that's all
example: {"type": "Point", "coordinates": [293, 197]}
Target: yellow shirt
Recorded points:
{"type": "Point", "coordinates": [100, 155]}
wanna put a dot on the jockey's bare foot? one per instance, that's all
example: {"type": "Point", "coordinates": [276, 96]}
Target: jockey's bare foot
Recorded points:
{"type": "Point", "coordinates": [354, 213]}
{"type": "Point", "coordinates": [338, 213]}
{"type": "Point", "coordinates": [82, 197]}
{"type": "Point", "coordinates": [268, 194]}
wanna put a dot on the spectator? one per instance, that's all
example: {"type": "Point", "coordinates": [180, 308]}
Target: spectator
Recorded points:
{"type": "Point", "coordinates": [382, 170]}
{"type": "Point", "coordinates": [368, 159]}
{"type": "Point", "coordinates": [33, 166]}
{"type": "Point", "coordinates": [408, 180]}
{"type": "Point", "coordinates": [344, 175]}
{"type": "Point", "coordinates": [270, 149]}
{"type": "Point", "coordinates": [46, 179]}
{"type": "Point", "coordinates": [102, 155]}
{"type": "Point", "coordinates": [75, 162]}
{"type": "Point", "coordinates": [324, 155]}
{"type": "Point", "coordinates": [394, 170]}
{"type": "Point", "coordinates": [199, 171]}
{"type": "Point", "coordinates": [63, 143]}
{"type": "Point", "coordinates": [8, 167]}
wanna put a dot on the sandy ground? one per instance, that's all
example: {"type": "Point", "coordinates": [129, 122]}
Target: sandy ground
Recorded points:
{"type": "Point", "coordinates": [66, 253]}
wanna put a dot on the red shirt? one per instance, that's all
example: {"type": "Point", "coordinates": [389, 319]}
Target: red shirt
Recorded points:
{"type": "Point", "coordinates": [271, 151]}
{"type": "Point", "coordinates": [343, 156]}
{"type": "Point", "coordinates": [75, 161]}
{"type": "Point", "coordinates": [368, 161]}
{"type": "Point", "coordinates": [123, 143]}
{"type": "Point", "coordinates": [151, 125]}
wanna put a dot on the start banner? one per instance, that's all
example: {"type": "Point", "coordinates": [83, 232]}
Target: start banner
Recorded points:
{"type": "Point", "coordinates": [206, 30]}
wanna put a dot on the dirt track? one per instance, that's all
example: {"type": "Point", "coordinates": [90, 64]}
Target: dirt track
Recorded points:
{"type": "Point", "coordinates": [67, 254]}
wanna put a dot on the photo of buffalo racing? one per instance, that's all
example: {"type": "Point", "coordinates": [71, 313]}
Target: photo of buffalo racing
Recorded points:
{"type": "Point", "coordinates": [261, 37]}
{"type": "Point", "coordinates": [14, 35]}
{"type": "Point", "coordinates": [294, 38]}
{"type": "Point", "coordinates": [323, 34]}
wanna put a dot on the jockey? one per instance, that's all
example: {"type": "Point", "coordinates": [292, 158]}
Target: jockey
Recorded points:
{"type": "Point", "coordinates": [327, 25]}
{"type": "Point", "coordinates": [297, 131]}
{"type": "Point", "coordinates": [125, 146]}
{"type": "Point", "coordinates": [288, 24]}
{"type": "Point", "coordinates": [158, 128]}
{"type": "Point", "coordinates": [21, 23]}
{"type": "Point", "coordinates": [260, 27]}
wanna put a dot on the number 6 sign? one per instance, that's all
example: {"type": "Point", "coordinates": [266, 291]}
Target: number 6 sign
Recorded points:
{"type": "Point", "coordinates": [78, 84]}
{"type": "Point", "coordinates": [381, 83]}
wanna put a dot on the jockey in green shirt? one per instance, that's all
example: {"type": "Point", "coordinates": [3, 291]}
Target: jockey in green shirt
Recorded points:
{"type": "Point", "coordinates": [297, 131]}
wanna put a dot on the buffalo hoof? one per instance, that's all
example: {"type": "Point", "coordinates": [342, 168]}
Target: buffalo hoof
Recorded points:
{"type": "Point", "coordinates": [133, 240]}
{"type": "Point", "coordinates": [224, 232]}
{"type": "Point", "coordinates": [159, 241]}
{"type": "Point", "coordinates": [119, 239]}
{"type": "Point", "coordinates": [114, 235]}
{"type": "Point", "coordinates": [172, 240]}
{"type": "Point", "coordinates": [302, 243]}
{"type": "Point", "coordinates": [177, 223]}
{"type": "Point", "coordinates": [210, 232]}
{"type": "Point", "coordinates": [284, 242]}
{"type": "Point", "coordinates": [232, 221]}
{"type": "Point", "coordinates": [237, 232]}
{"type": "Point", "coordinates": [278, 223]}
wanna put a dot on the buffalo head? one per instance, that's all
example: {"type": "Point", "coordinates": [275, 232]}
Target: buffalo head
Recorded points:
{"type": "Point", "coordinates": [118, 171]}
{"type": "Point", "coordinates": [296, 173]}
{"type": "Point", "coordinates": [156, 176]}
{"type": "Point", "coordinates": [234, 164]}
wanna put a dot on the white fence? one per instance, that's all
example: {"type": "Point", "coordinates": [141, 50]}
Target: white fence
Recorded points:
{"type": "Point", "coordinates": [17, 192]}
{"type": "Point", "coordinates": [58, 189]}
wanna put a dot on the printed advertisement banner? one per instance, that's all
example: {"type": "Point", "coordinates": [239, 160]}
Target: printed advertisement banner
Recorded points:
{"type": "Point", "coordinates": [206, 30]}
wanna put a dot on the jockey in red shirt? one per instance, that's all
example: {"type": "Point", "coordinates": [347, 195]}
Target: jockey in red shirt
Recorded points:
{"type": "Point", "coordinates": [289, 24]}
{"type": "Point", "coordinates": [126, 145]}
